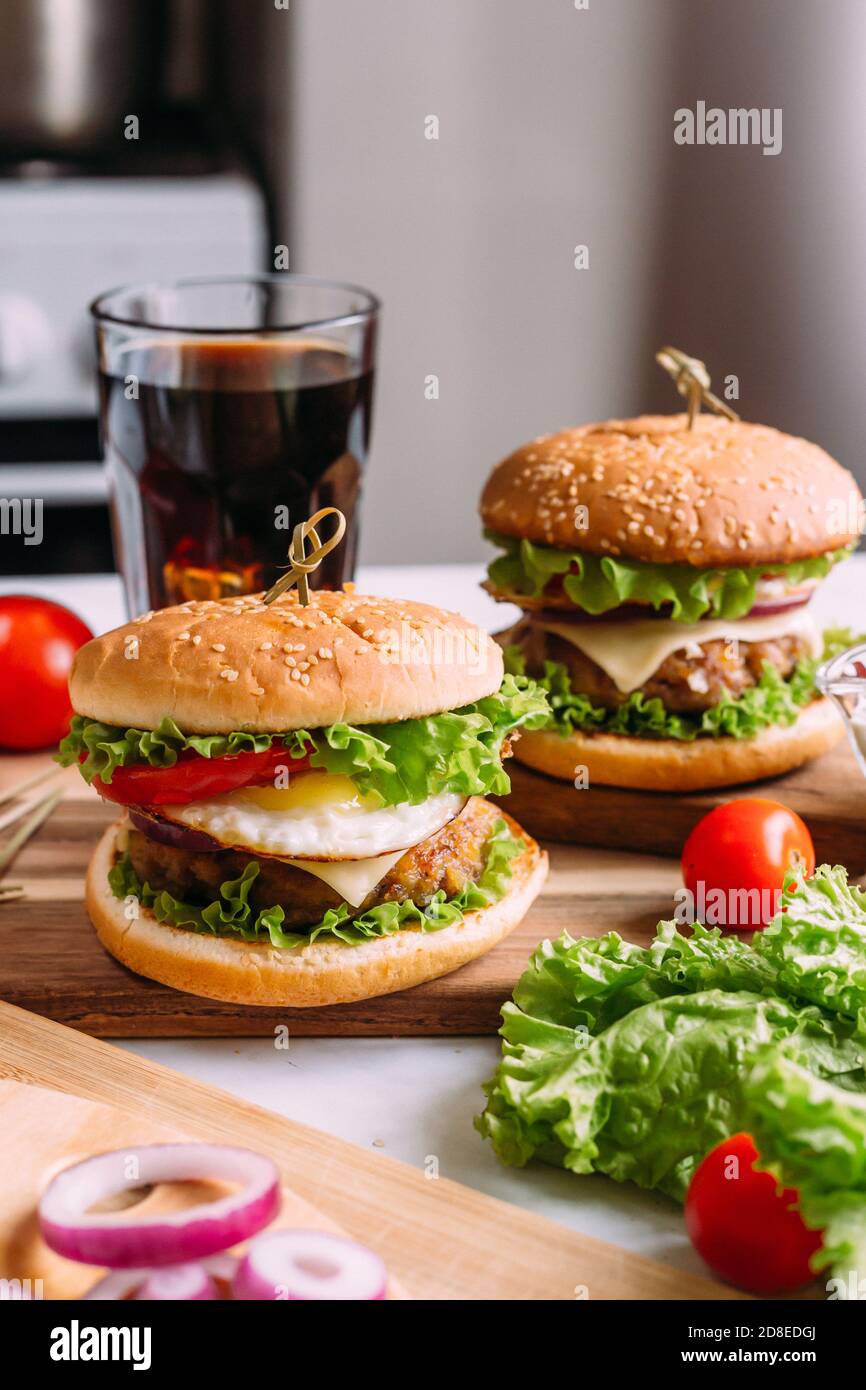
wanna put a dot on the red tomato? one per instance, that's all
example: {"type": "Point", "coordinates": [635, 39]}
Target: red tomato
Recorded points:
{"type": "Point", "coordinates": [194, 777]}
{"type": "Point", "coordinates": [736, 859]}
{"type": "Point", "coordinates": [38, 640]}
{"type": "Point", "coordinates": [749, 1233]}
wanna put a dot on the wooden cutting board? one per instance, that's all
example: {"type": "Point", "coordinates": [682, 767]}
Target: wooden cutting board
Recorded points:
{"type": "Point", "coordinates": [43, 1131]}
{"type": "Point", "coordinates": [439, 1240]}
{"type": "Point", "coordinates": [52, 963]}
{"type": "Point", "coordinates": [830, 795]}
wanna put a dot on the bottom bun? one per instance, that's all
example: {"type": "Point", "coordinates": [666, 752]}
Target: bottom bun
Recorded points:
{"type": "Point", "coordinates": [670, 765]}
{"type": "Point", "coordinates": [242, 972]}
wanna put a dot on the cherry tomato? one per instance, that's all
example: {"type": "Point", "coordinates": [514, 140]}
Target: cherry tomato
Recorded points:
{"type": "Point", "coordinates": [736, 860]}
{"type": "Point", "coordinates": [194, 777]}
{"type": "Point", "coordinates": [749, 1233]}
{"type": "Point", "coordinates": [38, 640]}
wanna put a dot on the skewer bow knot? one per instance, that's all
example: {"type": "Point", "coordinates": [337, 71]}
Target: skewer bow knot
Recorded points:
{"type": "Point", "coordinates": [303, 564]}
{"type": "Point", "coordinates": [692, 380]}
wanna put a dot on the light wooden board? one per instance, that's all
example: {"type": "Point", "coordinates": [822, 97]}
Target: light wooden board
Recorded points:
{"type": "Point", "coordinates": [439, 1240]}
{"type": "Point", "coordinates": [830, 795]}
{"type": "Point", "coordinates": [52, 963]}
{"type": "Point", "coordinates": [43, 1131]}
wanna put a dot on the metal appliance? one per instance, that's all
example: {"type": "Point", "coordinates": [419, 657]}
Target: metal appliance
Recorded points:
{"type": "Point", "coordinates": [87, 205]}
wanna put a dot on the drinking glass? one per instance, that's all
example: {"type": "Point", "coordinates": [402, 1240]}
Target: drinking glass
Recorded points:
{"type": "Point", "coordinates": [230, 410]}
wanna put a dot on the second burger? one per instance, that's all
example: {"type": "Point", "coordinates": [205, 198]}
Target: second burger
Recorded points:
{"type": "Point", "coordinates": [665, 573]}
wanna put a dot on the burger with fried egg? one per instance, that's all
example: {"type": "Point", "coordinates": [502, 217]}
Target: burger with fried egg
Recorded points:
{"type": "Point", "coordinates": [665, 575]}
{"type": "Point", "coordinates": [302, 795]}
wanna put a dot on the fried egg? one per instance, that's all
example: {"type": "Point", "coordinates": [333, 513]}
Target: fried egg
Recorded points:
{"type": "Point", "coordinates": [319, 816]}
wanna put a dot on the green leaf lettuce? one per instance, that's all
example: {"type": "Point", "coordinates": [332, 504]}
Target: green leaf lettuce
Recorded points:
{"type": "Point", "coordinates": [627, 1066]}
{"type": "Point", "coordinates": [817, 941]}
{"type": "Point", "coordinates": [811, 1135]}
{"type": "Point", "coordinates": [458, 751]}
{"type": "Point", "coordinates": [773, 700]}
{"type": "Point", "coordinates": [599, 583]}
{"type": "Point", "coordinates": [635, 1061]}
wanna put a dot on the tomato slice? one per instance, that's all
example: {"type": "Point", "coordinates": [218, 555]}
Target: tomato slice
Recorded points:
{"type": "Point", "coordinates": [194, 778]}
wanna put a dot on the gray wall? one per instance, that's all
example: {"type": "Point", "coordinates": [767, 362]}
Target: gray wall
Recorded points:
{"type": "Point", "coordinates": [549, 137]}
{"type": "Point", "coordinates": [556, 128]}
{"type": "Point", "coordinates": [763, 264]}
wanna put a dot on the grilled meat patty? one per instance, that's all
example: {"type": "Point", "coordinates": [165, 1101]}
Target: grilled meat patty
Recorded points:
{"type": "Point", "coordinates": [686, 684]}
{"type": "Point", "coordinates": [448, 860]}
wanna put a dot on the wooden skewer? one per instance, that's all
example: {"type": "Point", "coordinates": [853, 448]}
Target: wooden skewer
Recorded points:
{"type": "Point", "coordinates": [10, 793]}
{"type": "Point", "coordinates": [39, 813]}
{"type": "Point", "coordinates": [17, 813]}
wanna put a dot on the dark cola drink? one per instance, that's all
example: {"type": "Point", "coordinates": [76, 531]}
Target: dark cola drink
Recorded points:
{"type": "Point", "coordinates": [216, 448]}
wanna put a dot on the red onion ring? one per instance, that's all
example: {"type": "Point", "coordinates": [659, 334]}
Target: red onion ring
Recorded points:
{"type": "Point", "coordinates": [765, 610]}
{"type": "Point", "coordinates": [176, 836]}
{"type": "Point", "coordinates": [309, 1265]}
{"type": "Point", "coordinates": [188, 1283]}
{"type": "Point", "coordinates": [633, 612]}
{"type": "Point", "coordinates": [120, 1284]}
{"type": "Point", "coordinates": [71, 1229]}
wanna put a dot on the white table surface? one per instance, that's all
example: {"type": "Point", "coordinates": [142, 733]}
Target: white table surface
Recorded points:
{"type": "Point", "coordinates": [415, 1097]}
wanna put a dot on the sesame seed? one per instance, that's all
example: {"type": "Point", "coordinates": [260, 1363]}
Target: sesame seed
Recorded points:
{"type": "Point", "coordinates": [196, 640]}
{"type": "Point", "coordinates": [227, 674]}
{"type": "Point", "coordinates": [266, 646]}
{"type": "Point", "coordinates": [296, 675]}
{"type": "Point", "coordinates": [218, 646]}
{"type": "Point", "coordinates": [305, 680]}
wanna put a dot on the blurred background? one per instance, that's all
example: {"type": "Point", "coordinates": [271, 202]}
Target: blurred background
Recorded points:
{"type": "Point", "coordinates": [306, 124]}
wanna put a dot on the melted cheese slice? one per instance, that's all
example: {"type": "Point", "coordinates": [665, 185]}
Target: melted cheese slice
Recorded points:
{"type": "Point", "coordinates": [353, 879]}
{"type": "Point", "coordinates": [630, 652]}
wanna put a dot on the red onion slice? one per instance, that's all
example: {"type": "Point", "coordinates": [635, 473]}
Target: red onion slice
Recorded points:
{"type": "Point", "coordinates": [188, 1283]}
{"type": "Point", "coordinates": [176, 836]}
{"type": "Point", "coordinates": [70, 1228]}
{"type": "Point", "coordinates": [121, 1284]}
{"type": "Point", "coordinates": [781, 605]}
{"type": "Point", "coordinates": [633, 612]}
{"type": "Point", "coordinates": [117, 1285]}
{"type": "Point", "coordinates": [308, 1265]}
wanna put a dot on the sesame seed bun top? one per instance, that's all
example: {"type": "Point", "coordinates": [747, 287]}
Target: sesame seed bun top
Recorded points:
{"type": "Point", "coordinates": [214, 667]}
{"type": "Point", "coordinates": [724, 493]}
